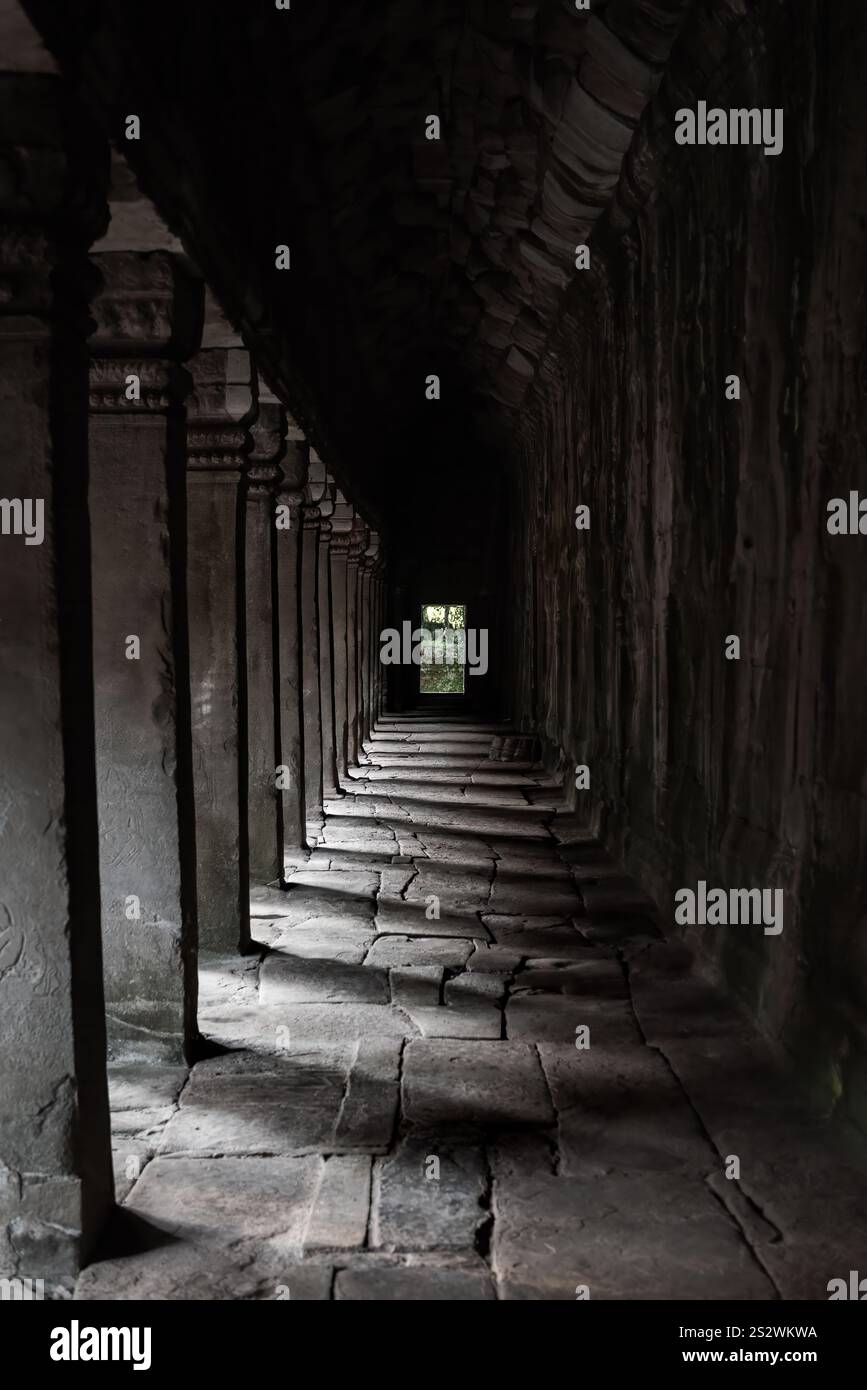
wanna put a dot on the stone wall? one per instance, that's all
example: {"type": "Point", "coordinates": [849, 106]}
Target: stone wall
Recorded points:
{"type": "Point", "coordinates": [708, 518]}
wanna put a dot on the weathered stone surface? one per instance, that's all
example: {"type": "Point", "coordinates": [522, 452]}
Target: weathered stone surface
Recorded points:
{"type": "Point", "coordinates": [296, 980]}
{"type": "Point", "coordinates": [338, 1220]}
{"type": "Point", "coordinates": [293, 1112]}
{"type": "Point", "coordinates": [466, 1083]}
{"type": "Point", "coordinates": [396, 951]}
{"type": "Point", "coordinates": [427, 1197]}
{"type": "Point", "coordinates": [219, 1200]}
{"type": "Point", "coordinates": [633, 1237]}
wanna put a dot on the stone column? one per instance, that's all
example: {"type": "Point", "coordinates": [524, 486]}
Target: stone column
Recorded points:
{"type": "Point", "coordinates": [310, 701]}
{"type": "Point", "coordinates": [217, 440]}
{"type": "Point", "coordinates": [290, 497]}
{"type": "Point", "coordinates": [148, 317]}
{"type": "Point", "coordinates": [265, 805]}
{"type": "Point", "coordinates": [330, 779]}
{"type": "Point", "coordinates": [341, 529]}
{"type": "Point", "coordinates": [372, 630]}
{"type": "Point", "coordinates": [357, 544]}
{"type": "Point", "coordinates": [55, 1173]}
{"type": "Point", "coordinates": [363, 652]}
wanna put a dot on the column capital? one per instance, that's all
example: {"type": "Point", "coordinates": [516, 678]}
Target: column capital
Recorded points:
{"type": "Point", "coordinates": [147, 316]}
{"type": "Point", "coordinates": [268, 433]}
{"type": "Point", "coordinates": [221, 409]}
{"type": "Point", "coordinates": [310, 516]}
{"type": "Point", "coordinates": [358, 541]}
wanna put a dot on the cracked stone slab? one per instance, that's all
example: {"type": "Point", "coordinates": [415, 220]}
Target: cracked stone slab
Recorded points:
{"type": "Point", "coordinates": [342, 940]}
{"type": "Point", "coordinates": [626, 1237]}
{"type": "Point", "coordinates": [498, 959]}
{"type": "Point", "coordinates": [405, 919]}
{"type": "Point", "coordinates": [297, 980]}
{"type": "Point", "coordinates": [428, 1196]}
{"type": "Point", "coordinates": [474, 1083]}
{"type": "Point", "coordinates": [367, 1116]}
{"type": "Point", "coordinates": [537, 937]}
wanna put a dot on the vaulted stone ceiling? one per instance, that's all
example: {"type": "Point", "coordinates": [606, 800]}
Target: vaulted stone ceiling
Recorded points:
{"type": "Point", "coordinates": [409, 256]}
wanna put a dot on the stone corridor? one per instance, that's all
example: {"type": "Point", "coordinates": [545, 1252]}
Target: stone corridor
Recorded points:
{"type": "Point", "coordinates": [391, 1104]}
{"type": "Point", "coordinates": [433, 765]}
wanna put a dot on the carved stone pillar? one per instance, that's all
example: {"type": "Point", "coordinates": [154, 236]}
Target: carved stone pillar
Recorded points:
{"type": "Point", "coordinates": [148, 317]}
{"type": "Point", "coordinates": [290, 497]}
{"type": "Point", "coordinates": [265, 808]}
{"type": "Point", "coordinates": [330, 779]}
{"type": "Point", "coordinates": [310, 699]}
{"type": "Point", "coordinates": [357, 546]}
{"type": "Point", "coordinates": [341, 533]}
{"type": "Point", "coordinates": [55, 1171]}
{"type": "Point", "coordinates": [379, 690]}
{"type": "Point", "coordinates": [371, 634]}
{"type": "Point", "coordinates": [217, 440]}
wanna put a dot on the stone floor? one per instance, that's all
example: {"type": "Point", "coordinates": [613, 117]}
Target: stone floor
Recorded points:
{"type": "Point", "coordinates": [393, 1104]}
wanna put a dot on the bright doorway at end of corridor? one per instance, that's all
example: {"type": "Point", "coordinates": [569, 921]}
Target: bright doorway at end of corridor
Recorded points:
{"type": "Point", "coordinates": [443, 654]}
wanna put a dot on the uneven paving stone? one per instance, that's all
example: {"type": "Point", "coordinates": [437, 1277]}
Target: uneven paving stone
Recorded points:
{"type": "Point", "coordinates": [339, 1213]}
{"type": "Point", "coordinates": [345, 939]}
{"type": "Point", "coordinates": [227, 979]}
{"type": "Point", "coordinates": [466, 1083]}
{"type": "Point", "coordinates": [428, 1196]}
{"type": "Point", "coordinates": [183, 1271]}
{"type": "Point", "coordinates": [489, 957]}
{"type": "Point", "coordinates": [634, 1237]}
{"type": "Point", "coordinates": [322, 1025]}
{"type": "Point", "coordinates": [367, 1115]}
{"type": "Point", "coordinates": [619, 1107]}
{"type": "Point", "coordinates": [455, 886]}
{"type": "Point", "coordinates": [292, 1112]}
{"type": "Point", "coordinates": [141, 1122]}
{"type": "Point", "coordinates": [226, 1199]}
{"type": "Point", "coordinates": [390, 952]}
{"type": "Point", "coordinates": [407, 919]}
{"type": "Point", "coordinates": [464, 1017]}
{"type": "Point", "coordinates": [414, 1284]}
{"type": "Point", "coordinates": [142, 1087]}
{"type": "Point", "coordinates": [416, 986]}
{"type": "Point", "coordinates": [535, 937]}
{"type": "Point", "coordinates": [486, 986]}
{"type": "Point", "coordinates": [296, 980]}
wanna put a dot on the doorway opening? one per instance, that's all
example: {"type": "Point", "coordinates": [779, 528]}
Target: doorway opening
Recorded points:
{"type": "Point", "coordinates": [443, 653]}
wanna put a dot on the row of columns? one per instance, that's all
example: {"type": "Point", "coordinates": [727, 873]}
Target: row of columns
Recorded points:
{"type": "Point", "coordinates": [192, 661]}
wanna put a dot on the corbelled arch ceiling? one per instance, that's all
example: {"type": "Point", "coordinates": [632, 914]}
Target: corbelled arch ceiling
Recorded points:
{"type": "Point", "coordinates": [409, 256]}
